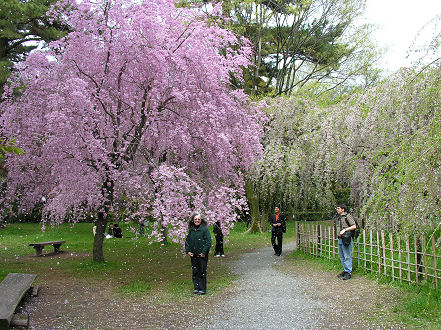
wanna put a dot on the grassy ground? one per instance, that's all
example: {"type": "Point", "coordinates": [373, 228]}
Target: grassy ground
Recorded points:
{"type": "Point", "coordinates": [132, 265]}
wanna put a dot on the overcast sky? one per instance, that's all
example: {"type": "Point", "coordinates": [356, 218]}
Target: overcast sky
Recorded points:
{"type": "Point", "coordinates": [399, 22]}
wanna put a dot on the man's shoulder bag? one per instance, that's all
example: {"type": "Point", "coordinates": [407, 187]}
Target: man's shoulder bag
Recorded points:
{"type": "Point", "coordinates": [356, 232]}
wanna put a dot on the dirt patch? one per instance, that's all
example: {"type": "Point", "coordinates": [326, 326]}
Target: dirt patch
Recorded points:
{"type": "Point", "coordinates": [63, 304]}
{"type": "Point", "coordinates": [72, 303]}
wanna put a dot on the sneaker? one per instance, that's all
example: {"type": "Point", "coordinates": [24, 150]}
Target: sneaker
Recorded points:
{"type": "Point", "coordinates": [222, 255]}
{"type": "Point", "coordinates": [216, 255]}
{"type": "Point", "coordinates": [201, 292]}
{"type": "Point", "coordinates": [341, 274]}
{"type": "Point", "coordinates": [346, 276]}
{"type": "Point", "coordinates": [195, 291]}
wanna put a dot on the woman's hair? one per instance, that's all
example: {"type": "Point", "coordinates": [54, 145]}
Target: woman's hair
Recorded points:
{"type": "Point", "coordinates": [191, 222]}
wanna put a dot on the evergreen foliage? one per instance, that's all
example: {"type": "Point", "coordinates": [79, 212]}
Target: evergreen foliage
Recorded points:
{"type": "Point", "coordinates": [24, 25]}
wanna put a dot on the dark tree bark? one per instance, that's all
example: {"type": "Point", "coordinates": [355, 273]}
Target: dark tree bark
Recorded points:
{"type": "Point", "coordinates": [253, 200]}
{"type": "Point", "coordinates": [101, 225]}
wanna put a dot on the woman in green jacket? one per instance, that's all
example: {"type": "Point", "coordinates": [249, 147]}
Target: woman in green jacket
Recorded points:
{"type": "Point", "coordinates": [197, 246]}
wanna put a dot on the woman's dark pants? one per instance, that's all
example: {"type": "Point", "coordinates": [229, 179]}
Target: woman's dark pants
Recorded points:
{"type": "Point", "coordinates": [199, 268]}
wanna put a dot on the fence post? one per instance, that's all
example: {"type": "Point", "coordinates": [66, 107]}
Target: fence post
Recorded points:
{"type": "Point", "coordinates": [364, 247]}
{"type": "Point", "coordinates": [435, 273]}
{"type": "Point", "coordinates": [424, 246]}
{"type": "Point", "coordinates": [419, 266]}
{"type": "Point", "coordinates": [392, 257]}
{"type": "Point", "coordinates": [409, 277]}
{"type": "Point", "coordinates": [358, 254]}
{"type": "Point", "coordinates": [307, 234]}
{"type": "Point", "coordinates": [298, 235]}
{"type": "Point", "coordinates": [383, 242]}
{"type": "Point", "coordinates": [399, 258]}
{"type": "Point", "coordinates": [319, 240]}
{"type": "Point", "coordinates": [378, 253]}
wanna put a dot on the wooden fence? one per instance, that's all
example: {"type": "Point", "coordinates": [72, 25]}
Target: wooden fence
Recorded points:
{"type": "Point", "coordinates": [409, 258]}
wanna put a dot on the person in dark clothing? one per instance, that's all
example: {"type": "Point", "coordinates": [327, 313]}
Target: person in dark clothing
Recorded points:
{"type": "Point", "coordinates": [111, 231]}
{"type": "Point", "coordinates": [141, 228]}
{"type": "Point", "coordinates": [346, 224]}
{"type": "Point", "coordinates": [217, 231]}
{"type": "Point", "coordinates": [197, 246]}
{"type": "Point", "coordinates": [117, 231]}
{"type": "Point", "coordinates": [278, 227]}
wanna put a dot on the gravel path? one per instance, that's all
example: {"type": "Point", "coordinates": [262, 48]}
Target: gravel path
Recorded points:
{"type": "Point", "coordinates": [267, 298]}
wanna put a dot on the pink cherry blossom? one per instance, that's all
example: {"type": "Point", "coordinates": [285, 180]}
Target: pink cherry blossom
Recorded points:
{"type": "Point", "coordinates": [133, 105]}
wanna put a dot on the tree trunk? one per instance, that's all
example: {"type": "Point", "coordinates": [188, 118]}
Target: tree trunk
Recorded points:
{"type": "Point", "coordinates": [164, 233]}
{"type": "Point", "coordinates": [101, 225]}
{"type": "Point", "coordinates": [256, 78]}
{"type": "Point", "coordinates": [266, 212]}
{"type": "Point", "coordinates": [253, 201]}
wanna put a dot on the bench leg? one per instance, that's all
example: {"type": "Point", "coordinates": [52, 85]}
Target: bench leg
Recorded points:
{"type": "Point", "coordinates": [38, 250]}
{"type": "Point", "coordinates": [20, 321]}
{"type": "Point", "coordinates": [57, 248]}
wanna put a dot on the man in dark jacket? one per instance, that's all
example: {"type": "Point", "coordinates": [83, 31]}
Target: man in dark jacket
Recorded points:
{"type": "Point", "coordinates": [197, 246]}
{"type": "Point", "coordinates": [278, 227]}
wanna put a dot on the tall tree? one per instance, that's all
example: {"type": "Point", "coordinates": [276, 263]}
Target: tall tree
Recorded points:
{"type": "Point", "coordinates": [135, 103]}
{"type": "Point", "coordinates": [24, 25]}
{"type": "Point", "coordinates": [379, 148]}
{"type": "Point", "coordinates": [390, 137]}
{"type": "Point", "coordinates": [287, 174]}
{"type": "Point", "coordinates": [299, 41]}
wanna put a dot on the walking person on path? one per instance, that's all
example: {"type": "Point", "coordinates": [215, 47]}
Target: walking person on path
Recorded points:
{"type": "Point", "coordinates": [278, 227]}
{"type": "Point", "coordinates": [197, 246]}
{"type": "Point", "coordinates": [217, 231]}
{"type": "Point", "coordinates": [346, 225]}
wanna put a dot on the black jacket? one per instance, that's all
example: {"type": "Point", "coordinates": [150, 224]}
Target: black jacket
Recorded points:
{"type": "Point", "coordinates": [198, 240]}
{"type": "Point", "coordinates": [282, 220]}
{"type": "Point", "coordinates": [217, 230]}
{"type": "Point", "coordinates": [117, 232]}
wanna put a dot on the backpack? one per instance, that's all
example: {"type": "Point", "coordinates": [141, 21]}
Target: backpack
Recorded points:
{"type": "Point", "coordinates": [357, 230]}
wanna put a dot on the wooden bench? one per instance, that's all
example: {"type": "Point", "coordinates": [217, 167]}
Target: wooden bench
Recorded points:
{"type": "Point", "coordinates": [39, 246]}
{"type": "Point", "coordinates": [12, 289]}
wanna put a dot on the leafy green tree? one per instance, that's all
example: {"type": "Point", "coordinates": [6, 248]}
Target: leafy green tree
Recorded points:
{"type": "Point", "coordinates": [297, 42]}
{"type": "Point", "coordinates": [24, 25]}
{"type": "Point", "coordinates": [288, 173]}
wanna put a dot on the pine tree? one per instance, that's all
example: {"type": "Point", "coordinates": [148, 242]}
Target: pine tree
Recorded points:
{"type": "Point", "coordinates": [24, 26]}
